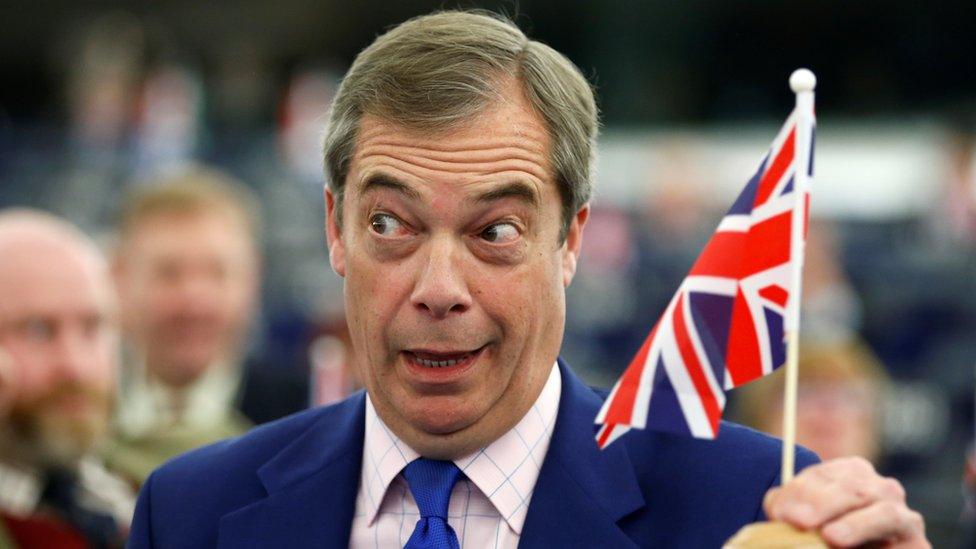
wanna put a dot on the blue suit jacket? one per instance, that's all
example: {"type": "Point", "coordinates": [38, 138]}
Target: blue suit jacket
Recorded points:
{"type": "Point", "coordinates": [293, 483]}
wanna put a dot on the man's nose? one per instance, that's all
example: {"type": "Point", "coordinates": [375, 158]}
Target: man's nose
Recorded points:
{"type": "Point", "coordinates": [75, 352]}
{"type": "Point", "coordinates": [440, 288]}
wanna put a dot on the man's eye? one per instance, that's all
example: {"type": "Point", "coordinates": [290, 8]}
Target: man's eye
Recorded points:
{"type": "Point", "coordinates": [38, 329]}
{"type": "Point", "coordinates": [385, 224]}
{"type": "Point", "coordinates": [500, 233]}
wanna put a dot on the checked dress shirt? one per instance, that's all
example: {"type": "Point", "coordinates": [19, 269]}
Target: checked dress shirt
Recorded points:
{"type": "Point", "coordinates": [487, 506]}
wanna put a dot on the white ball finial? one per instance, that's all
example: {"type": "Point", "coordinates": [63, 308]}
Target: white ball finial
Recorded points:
{"type": "Point", "coordinates": [802, 80]}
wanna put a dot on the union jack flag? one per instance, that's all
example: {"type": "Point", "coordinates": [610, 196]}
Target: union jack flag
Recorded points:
{"type": "Point", "coordinates": [726, 324]}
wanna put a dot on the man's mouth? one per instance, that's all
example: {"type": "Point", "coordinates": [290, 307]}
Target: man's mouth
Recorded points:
{"type": "Point", "coordinates": [449, 360]}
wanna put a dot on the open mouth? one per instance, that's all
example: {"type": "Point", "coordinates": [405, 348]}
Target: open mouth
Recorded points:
{"type": "Point", "coordinates": [430, 359]}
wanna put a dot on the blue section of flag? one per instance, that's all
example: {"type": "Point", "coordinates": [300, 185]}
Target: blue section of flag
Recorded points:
{"type": "Point", "coordinates": [665, 411]}
{"type": "Point", "coordinates": [789, 187]}
{"type": "Point", "coordinates": [712, 315]}
{"type": "Point", "coordinates": [774, 324]}
{"type": "Point", "coordinates": [813, 146]}
{"type": "Point", "coordinates": [743, 204]}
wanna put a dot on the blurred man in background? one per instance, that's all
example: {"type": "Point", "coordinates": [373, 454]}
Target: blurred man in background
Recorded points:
{"type": "Point", "coordinates": [59, 344]}
{"type": "Point", "coordinates": [840, 397]}
{"type": "Point", "coordinates": [188, 276]}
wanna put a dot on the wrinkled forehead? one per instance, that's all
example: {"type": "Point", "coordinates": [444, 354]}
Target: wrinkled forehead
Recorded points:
{"type": "Point", "coordinates": [508, 141]}
{"type": "Point", "coordinates": [474, 165]}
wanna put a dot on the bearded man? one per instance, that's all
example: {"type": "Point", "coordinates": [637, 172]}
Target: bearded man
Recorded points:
{"type": "Point", "coordinates": [59, 345]}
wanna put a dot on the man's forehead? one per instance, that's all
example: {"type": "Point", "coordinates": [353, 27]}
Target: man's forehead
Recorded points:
{"type": "Point", "coordinates": [39, 288]}
{"type": "Point", "coordinates": [490, 191]}
{"type": "Point", "coordinates": [498, 121]}
{"type": "Point", "coordinates": [498, 150]}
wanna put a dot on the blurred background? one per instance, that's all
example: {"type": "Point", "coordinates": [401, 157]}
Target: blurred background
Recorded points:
{"type": "Point", "coordinates": [101, 96]}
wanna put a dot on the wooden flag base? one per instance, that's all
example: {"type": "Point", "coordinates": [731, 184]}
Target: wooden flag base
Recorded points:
{"type": "Point", "coordinates": [774, 535]}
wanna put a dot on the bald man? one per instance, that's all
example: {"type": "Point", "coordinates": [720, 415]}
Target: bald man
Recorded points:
{"type": "Point", "coordinates": [59, 344]}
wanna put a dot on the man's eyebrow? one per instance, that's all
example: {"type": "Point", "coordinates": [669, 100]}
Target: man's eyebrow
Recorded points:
{"type": "Point", "coordinates": [512, 189]}
{"type": "Point", "coordinates": [378, 181]}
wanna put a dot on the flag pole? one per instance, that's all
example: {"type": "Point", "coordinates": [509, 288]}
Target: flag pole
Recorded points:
{"type": "Point", "coordinates": [802, 82]}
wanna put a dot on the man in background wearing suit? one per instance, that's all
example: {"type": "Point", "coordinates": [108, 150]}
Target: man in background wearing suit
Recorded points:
{"type": "Point", "coordinates": [187, 269]}
{"type": "Point", "coordinates": [458, 154]}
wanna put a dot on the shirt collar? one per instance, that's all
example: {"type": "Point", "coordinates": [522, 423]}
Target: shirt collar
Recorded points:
{"type": "Point", "coordinates": [20, 490]}
{"type": "Point", "coordinates": [505, 471]}
{"type": "Point", "coordinates": [147, 404]}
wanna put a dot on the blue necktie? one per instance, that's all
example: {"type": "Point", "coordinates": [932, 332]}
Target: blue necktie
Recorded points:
{"type": "Point", "coordinates": [431, 483]}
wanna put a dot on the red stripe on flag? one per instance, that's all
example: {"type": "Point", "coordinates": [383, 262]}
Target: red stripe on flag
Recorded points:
{"type": "Point", "coordinates": [722, 256]}
{"type": "Point", "coordinates": [601, 441]}
{"type": "Point", "coordinates": [742, 351]}
{"type": "Point", "coordinates": [622, 407]}
{"type": "Point", "coordinates": [768, 245]}
{"type": "Point", "coordinates": [776, 294]}
{"type": "Point", "coordinates": [694, 367]}
{"type": "Point", "coordinates": [776, 170]}
{"type": "Point", "coordinates": [738, 255]}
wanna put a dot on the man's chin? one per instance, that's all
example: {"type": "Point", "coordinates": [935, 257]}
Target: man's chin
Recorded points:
{"type": "Point", "coordinates": [449, 437]}
{"type": "Point", "coordinates": [184, 370]}
{"type": "Point", "coordinates": [59, 441]}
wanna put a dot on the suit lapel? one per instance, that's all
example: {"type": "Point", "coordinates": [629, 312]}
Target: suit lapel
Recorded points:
{"type": "Point", "coordinates": [582, 492]}
{"type": "Point", "coordinates": [312, 486]}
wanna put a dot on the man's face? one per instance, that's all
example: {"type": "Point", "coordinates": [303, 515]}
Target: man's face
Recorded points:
{"type": "Point", "coordinates": [454, 273]}
{"type": "Point", "coordinates": [57, 331]}
{"type": "Point", "coordinates": [188, 284]}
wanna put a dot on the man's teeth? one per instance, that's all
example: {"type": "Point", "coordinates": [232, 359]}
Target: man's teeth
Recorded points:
{"type": "Point", "coordinates": [436, 363]}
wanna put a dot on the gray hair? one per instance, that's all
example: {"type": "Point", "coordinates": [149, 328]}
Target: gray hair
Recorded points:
{"type": "Point", "coordinates": [437, 71]}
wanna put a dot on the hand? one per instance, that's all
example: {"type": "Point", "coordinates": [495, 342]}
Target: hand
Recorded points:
{"type": "Point", "coordinates": [850, 504]}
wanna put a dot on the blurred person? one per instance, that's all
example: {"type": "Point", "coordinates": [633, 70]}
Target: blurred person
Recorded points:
{"type": "Point", "coordinates": [954, 218]}
{"type": "Point", "coordinates": [831, 311]}
{"type": "Point", "coordinates": [58, 339]}
{"type": "Point", "coordinates": [188, 275]}
{"type": "Point", "coordinates": [969, 498]}
{"type": "Point", "coordinates": [839, 400]}
{"type": "Point", "coordinates": [169, 121]}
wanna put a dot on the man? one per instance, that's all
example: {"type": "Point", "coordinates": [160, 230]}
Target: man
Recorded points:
{"type": "Point", "coordinates": [187, 272]}
{"type": "Point", "coordinates": [59, 342]}
{"type": "Point", "coordinates": [458, 154]}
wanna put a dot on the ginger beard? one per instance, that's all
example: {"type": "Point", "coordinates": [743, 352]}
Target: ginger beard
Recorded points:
{"type": "Point", "coordinates": [60, 426]}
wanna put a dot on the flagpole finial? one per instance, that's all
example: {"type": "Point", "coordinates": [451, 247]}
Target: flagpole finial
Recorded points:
{"type": "Point", "coordinates": [803, 80]}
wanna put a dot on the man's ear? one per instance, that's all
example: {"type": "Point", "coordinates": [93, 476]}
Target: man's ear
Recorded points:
{"type": "Point", "coordinates": [573, 244]}
{"type": "Point", "coordinates": [333, 235]}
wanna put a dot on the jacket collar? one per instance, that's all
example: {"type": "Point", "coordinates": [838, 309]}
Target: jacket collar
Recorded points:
{"type": "Point", "coordinates": [593, 488]}
{"type": "Point", "coordinates": [312, 484]}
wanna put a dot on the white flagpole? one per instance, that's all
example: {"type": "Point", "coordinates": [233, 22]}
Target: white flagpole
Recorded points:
{"type": "Point", "coordinates": [803, 82]}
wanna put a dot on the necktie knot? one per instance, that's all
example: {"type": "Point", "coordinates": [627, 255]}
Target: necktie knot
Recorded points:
{"type": "Point", "coordinates": [431, 482]}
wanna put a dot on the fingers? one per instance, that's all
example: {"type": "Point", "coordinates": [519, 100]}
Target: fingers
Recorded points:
{"type": "Point", "coordinates": [892, 522]}
{"type": "Point", "coordinates": [850, 503]}
{"type": "Point", "coordinates": [825, 492]}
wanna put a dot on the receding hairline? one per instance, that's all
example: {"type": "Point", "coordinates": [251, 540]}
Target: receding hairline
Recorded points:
{"type": "Point", "coordinates": [31, 228]}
